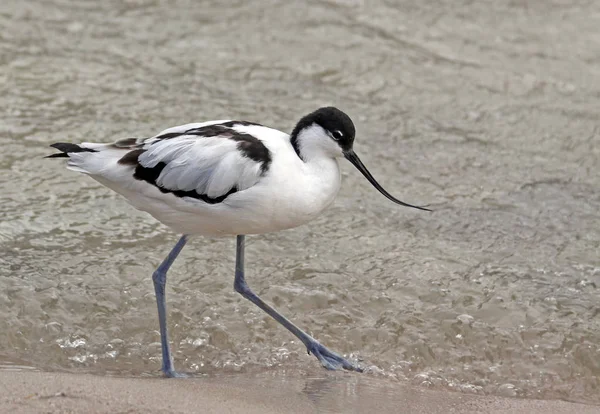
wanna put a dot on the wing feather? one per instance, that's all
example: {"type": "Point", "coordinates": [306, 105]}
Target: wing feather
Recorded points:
{"type": "Point", "coordinates": [209, 165]}
{"type": "Point", "coordinates": [182, 129]}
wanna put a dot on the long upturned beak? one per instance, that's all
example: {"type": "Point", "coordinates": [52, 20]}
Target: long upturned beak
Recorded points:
{"type": "Point", "coordinates": [351, 156]}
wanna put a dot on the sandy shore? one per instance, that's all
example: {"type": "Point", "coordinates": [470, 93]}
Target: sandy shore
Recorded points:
{"type": "Point", "coordinates": [36, 392]}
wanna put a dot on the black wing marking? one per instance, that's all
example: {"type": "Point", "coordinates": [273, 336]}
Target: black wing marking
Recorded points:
{"type": "Point", "coordinates": [248, 146]}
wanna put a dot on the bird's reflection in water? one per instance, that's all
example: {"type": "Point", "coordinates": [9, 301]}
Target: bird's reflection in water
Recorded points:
{"type": "Point", "coordinates": [340, 392]}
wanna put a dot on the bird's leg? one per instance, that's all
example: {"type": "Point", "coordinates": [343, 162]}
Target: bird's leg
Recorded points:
{"type": "Point", "coordinates": [159, 277]}
{"type": "Point", "coordinates": [328, 359]}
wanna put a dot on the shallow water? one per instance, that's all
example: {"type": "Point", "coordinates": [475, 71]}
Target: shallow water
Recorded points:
{"type": "Point", "coordinates": [487, 110]}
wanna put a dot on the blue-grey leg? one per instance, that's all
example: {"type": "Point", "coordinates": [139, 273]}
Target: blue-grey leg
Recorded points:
{"type": "Point", "coordinates": [328, 359]}
{"type": "Point", "coordinates": [159, 277]}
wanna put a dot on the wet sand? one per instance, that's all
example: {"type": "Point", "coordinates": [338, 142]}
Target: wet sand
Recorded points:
{"type": "Point", "coordinates": [35, 392]}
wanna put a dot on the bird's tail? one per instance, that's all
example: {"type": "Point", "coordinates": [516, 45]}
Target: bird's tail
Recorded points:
{"type": "Point", "coordinates": [82, 158]}
{"type": "Point", "coordinates": [66, 148]}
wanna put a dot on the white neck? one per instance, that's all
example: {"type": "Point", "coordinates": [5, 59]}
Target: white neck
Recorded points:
{"type": "Point", "coordinates": [319, 154]}
{"type": "Point", "coordinates": [324, 178]}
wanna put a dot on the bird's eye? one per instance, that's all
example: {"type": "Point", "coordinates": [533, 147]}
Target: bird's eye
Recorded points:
{"type": "Point", "coordinates": [337, 135]}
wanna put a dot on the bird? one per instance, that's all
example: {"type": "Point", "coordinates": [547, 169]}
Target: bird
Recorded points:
{"type": "Point", "coordinates": [229, 178]}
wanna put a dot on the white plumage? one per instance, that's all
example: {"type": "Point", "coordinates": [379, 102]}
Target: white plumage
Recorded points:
{"type": "Point", "coordinates": [229, 178]}
{"type": "Point", "coordinates": [290, 193]}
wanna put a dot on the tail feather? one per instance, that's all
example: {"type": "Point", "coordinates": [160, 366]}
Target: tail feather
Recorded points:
{"type": "Point", "coordinates": [58, 155]}
{"type": "Point", "coordinates": [66, 148]}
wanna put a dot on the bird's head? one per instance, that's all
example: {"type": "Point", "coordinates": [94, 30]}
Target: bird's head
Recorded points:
{"type": "Point", "coordinates": [326, 131]}
{"type": "Point", "coordinates": [330, 132]}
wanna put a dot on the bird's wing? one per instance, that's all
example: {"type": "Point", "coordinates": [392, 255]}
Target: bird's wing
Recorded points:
{"type": "Point", "coordinates": [206, 161]}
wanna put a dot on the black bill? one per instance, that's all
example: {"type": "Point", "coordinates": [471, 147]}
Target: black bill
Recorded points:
{"type": "Point", "coordinates": [353, 158]}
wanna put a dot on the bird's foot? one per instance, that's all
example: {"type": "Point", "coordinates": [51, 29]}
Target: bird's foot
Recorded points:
{"type": "Point", "coordinates": [170, 373]}
{"type": "Point", "coordinates": [329, 359]}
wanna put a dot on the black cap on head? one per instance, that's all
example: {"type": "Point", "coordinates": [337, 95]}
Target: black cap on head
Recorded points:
{"type": "Point", "coordinates": [333, 120]}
